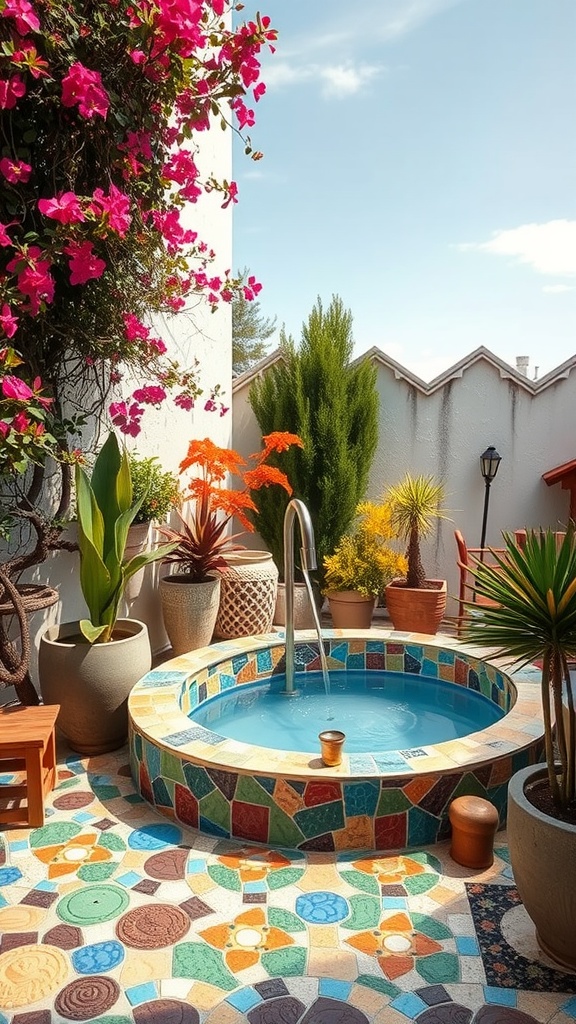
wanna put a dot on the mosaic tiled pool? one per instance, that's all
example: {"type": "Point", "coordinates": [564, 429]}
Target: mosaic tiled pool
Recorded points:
{"type": "Point", "coordinates": [387, 801]}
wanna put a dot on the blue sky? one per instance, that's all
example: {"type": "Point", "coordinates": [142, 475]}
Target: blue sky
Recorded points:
{"type": "Point", "coordinates": [419, 161]}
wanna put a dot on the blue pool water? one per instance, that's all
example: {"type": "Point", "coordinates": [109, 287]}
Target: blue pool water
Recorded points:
{"type": "Point", "coordinates": [377, 711]}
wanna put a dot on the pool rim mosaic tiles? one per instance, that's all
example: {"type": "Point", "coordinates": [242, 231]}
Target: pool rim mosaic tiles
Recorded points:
{"type": "Point", "coordinates": [481, 762]}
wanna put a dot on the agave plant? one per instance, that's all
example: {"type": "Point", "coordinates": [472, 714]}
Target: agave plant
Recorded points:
{"type": "Point", "coordinates": [105, 510]}
{"type": "Point", "coordinates": [415, 503]}
{"type": "Point", "coordinates": [535, 589]}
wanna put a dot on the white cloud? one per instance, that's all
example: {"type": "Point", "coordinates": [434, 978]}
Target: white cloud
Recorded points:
{"type": "Point", "coordinates": [345, 80]}
{"type": "Point", "coordinates": [555, 289]}
{"type": "Point", "coordinates": [336, 80]}
{"type": "Point", "coordinates": [548, 248]}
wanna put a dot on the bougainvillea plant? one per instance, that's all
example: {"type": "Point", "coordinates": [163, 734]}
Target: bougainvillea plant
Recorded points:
{"type": "Point", "coordinates": [102, 106]}
{"type": "Point", "coordinates": [203, 539]}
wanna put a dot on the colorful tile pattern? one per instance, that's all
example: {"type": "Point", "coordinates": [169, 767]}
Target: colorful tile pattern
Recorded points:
{"type": "Point", "coordinates": [191, 929]}
{"type": "Point", "coordinates": [384, 800]}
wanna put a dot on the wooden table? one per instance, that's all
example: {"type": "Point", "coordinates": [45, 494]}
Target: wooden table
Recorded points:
{"type": "Point", "coordinates": [27, 745]}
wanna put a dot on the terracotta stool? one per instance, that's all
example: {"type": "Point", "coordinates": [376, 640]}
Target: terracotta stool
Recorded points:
{"type": "Point", "coordinates": [474, 822]}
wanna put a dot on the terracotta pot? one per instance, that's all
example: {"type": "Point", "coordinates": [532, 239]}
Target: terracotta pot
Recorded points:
{"type": "Point", "coordinates": [247, 595]}
{"type": "Point", "coordinates": [350, 610]}
{"type": "Point", "coordinates": [189, 611]}
{"type": "Point", "coordinates": [416, 610]}
{"type": "Point", "coordinates": [303, 614]}
{"type": "Point", "coordinates": [331, 743]}
{"type": "Point", "coordinates": [543, 858]}
{"type": "Point", "coordinates": [91, 682]}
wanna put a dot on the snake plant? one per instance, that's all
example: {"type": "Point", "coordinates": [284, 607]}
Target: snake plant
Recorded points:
{"type": "Point", "coordinates": [105, 510]}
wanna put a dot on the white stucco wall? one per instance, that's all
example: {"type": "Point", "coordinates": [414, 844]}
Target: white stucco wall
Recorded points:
{"type": "Point", "coordinates": [443, 428]}
{"type": "Point", "coordinates": [198, 334]}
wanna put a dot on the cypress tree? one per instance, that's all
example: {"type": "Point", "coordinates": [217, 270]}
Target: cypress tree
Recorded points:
{"type": "Point", "coordinates": [317, 392]}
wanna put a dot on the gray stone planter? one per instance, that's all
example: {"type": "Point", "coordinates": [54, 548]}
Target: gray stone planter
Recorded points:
{"type": "Point", "coordinates": [91, 682]}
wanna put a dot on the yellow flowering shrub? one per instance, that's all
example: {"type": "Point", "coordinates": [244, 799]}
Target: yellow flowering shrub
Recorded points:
{"type": "Point", "coordinates": [362, 560]}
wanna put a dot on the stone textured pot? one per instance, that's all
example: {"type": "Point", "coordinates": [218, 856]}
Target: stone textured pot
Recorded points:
{"type": "Point", "coordinates": [303, 614]}
{"type": "Point", "coordinates": [189, 611]}
{"type": "Point", "coordinates": [543, 858]}
{"type": "Point", "coordinates": [350, 610]}
{"type": "Point", "coordinates": [247, 595]}
{"type": "Point", "coordinates": [416, 609]}
{"type": "Point", "coordinates": [137, 543]}
{"type": "Point", "coordinates": [91, 682]}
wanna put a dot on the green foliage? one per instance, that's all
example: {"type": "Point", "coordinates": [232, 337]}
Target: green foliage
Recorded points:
{"type": "Point", "coordinates": [157, 490]}
{"type": "Point", "coordinates": [250, 330]}
{"type": "Point", "coordinates": [105, 510]}
{"type": "Point", "coordinates": [535, 590]}
{"type": "Point", "coordinates": [315, 391]}
{"type": "Point", "coordinates": [362, 561]}
{"type": "Point", "coordinates": [415, 505]}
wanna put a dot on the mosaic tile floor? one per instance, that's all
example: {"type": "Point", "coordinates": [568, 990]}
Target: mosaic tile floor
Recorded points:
{"type": "Point", "coordinates": [110, 913]}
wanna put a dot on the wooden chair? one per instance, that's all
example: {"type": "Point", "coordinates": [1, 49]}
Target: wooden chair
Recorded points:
{"type": "Point", "coordinates": [468, 591]}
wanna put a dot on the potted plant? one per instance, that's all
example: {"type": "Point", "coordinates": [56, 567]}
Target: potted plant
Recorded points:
{"type": "Point", "coordinates": [204, 589]}
{"type": "Point", "coordinates": [158, 492]}
{"type": "Point", "coordinates": [415, 604]}
{"type": "Point", "coordinates": [90, 666]}
{"type": "Point", "coordinates": [534, 587]}
{"type": "Point", "coordinates": [362, 564]}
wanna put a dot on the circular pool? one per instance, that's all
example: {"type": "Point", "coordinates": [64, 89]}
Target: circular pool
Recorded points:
{"type": "Point", "coordinates": [376, 799]}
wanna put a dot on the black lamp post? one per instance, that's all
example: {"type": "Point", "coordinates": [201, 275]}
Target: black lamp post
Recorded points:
{"type": "Point", "coordinates": [489, 462]}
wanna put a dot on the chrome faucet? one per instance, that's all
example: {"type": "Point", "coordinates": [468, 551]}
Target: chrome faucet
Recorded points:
{"type": "Point", "coordinates": [296, 508]}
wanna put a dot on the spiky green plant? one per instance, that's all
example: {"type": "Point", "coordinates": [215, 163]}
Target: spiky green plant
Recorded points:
{"type": "Point", "coordinates": [415, 504]}
{"type": "Point", "coordinates": [105, 510]}
{"type": "Point", "coordinates": [535, 589]}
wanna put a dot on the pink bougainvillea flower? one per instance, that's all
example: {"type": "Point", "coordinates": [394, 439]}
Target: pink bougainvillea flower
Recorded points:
{"type": "Point", "coordinates": [16, 389]}
{"type": "Point", "coordinates": [150, 395]}
{"type": "Point", "coordinates": [8, 321]}
{"type": "Point", "coordinates": [127, 417]}
{"type": "Point", "coordinates": [33, 277]}
{"type": "Point", "coordinates": [40, 398]}
{"type": "Point", "coordinates": [23, 14]}
{"type": "Point", "coordinates": [15, 170]}
{"type": "Point", "coordinates": [84, 264]}
{"type": "Point", "coordinates": [21, 423]}
{"type": "Point", "coordinates": [171, 229]}
{"type": "Point", "coordinates": [4, 429]}
{"type": "Point", "coordinates": [4, 236]}
{"type": "Point", "coordinates": [184, 401]}
{"type": "Point", "coordinates": [114, 208]}
{"type": "Point", "coordinates": [84, 87]}
{"type": "Point", "coordinates": [158, 345]}
{"type": "Point", "coordinates": [64, 208]}
{"type": "Point", "coordinates": [134, 329]}
{"type": "Point", "coordinates": [11, 90]}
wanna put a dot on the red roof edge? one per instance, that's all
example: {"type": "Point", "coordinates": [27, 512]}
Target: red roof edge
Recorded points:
{"type": "Point", "coordinates": [554, 476]}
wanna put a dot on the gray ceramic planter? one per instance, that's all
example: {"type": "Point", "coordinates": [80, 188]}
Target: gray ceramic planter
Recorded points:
{"type": "Point", "coordinates": [91, 682]}
{"type": "Point", "coordinates": [543, 857]}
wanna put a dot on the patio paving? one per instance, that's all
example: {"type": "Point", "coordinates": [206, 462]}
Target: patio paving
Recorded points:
{"type": "Point", "coordinates": [112, 913]}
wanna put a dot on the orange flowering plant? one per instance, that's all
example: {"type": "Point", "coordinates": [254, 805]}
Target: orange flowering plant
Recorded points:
{"type": "Point", "coordinates": [203, 539]}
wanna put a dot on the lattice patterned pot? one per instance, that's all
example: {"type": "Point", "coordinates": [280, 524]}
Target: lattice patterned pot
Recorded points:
{"type": "Point", "coordinates": [247, 595]}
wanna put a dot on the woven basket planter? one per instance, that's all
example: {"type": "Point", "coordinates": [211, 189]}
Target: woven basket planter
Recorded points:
{"type": "Point", "coordinates": [247, 595]}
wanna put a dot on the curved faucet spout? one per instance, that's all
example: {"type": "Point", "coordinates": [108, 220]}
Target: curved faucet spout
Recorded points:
{"type": "Point", "coordinates": [296, 508]}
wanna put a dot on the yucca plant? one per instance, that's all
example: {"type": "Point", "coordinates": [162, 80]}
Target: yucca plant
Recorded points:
{"type": "Point", "coordinates": [415, 503]}
{"type": "Point", "coordinates": [105, 510]}
{"type": "Point", "coordinates": [535, 589]}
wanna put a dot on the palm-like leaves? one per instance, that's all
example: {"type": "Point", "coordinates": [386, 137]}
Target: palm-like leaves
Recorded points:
{"type": "Point", "coordinates": [414, 506]}
{"type": "Point", "coordinates": [535, 589]}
